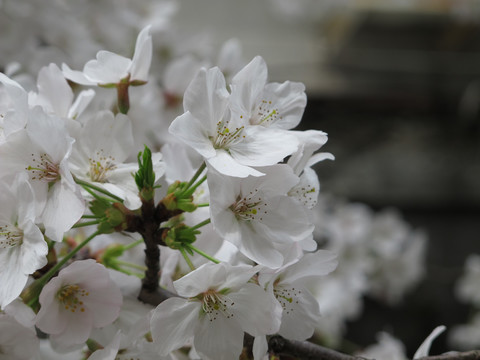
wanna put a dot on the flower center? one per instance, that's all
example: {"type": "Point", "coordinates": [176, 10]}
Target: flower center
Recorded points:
{"type": "Point", "coordinates": [249, 207]}
{"type": "Point", "coordinates": [215, 303]}
{"type": "Point", "coordinates": [286, 297]}
{"type": "Point", "coordinates": [70, 296]}
{"type": "Point", "coordinates": [44, 168]}
{"type": "Point", "coordinates": [225, 137]}
{"type": "Point", "coordinates": [100, 166]}
{"type": "Point", "coordinates": [10, 236]}
{"type": "Point", "coordinates": [265, 115]}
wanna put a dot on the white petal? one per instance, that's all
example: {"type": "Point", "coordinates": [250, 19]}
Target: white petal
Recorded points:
{"type": "Point", "coordinates": [225, 164]}
{"type": "Point", "coordinates": [194, 133]}
{"type": "Point", "coordinates": [264, 146]}
{"type": "Point", "coordinates": [220, 339]}
{"type": "Point", "coordinates": [200, 280]}
{"type": "Point", "coordinates": [173, 323]}
{"type": "Point", "coordinates": [108, 68]}
{"type": "Point", "coordinates": [424, 349]}
{"type": "Point", "coordinates": [76, 76]}
{"type": "Point", "coordinates": [248, 84]}
{"type": "Point", "coordinates": [300, 316]}
{"type": "Point", "coordinates": [257, 311]}
{"type": "Point", "coordinates": [81, 103]}
{"type": "Point", "coordinates": [206, 98]}
{"type": "Point", "coordinates": [143, 56]}
{"type": "Point", "coordinates": [64, 208]}
{"type": "Point", "coordinates": [53, 87]}
{"type": "Point", "coordinates": [312, 265]}
{"type": "Point", "coordinates": [260, 347]}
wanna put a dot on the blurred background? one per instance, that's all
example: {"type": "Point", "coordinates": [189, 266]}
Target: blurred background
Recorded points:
{"type": "Point", "coordinates": [396, 85]}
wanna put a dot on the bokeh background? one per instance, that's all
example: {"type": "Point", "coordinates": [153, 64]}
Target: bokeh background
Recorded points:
{"type": "Point", "coordinates": [396, 85]}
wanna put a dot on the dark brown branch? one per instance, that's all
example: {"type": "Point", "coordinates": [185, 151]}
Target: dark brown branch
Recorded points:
{"type": "Point", "coordinates": [305, 350]}
{"type": "Point", "coordinates": [454, 355]}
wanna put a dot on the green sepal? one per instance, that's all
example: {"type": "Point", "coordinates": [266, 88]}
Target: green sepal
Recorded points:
{"type": "Point", "coordinates": [145, 176]}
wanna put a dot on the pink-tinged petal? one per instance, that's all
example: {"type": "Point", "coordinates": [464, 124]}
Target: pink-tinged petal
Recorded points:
{"type": "Point", "coordinates": [207, 97]}
{"type": "Point", "coordinates": [54, 90]}
{"type": "Point", "coordinates": [264, 146]}
{"type": "Point", "coordinates": [51, 318]}
{"type": "Point", "coordinates": [225, 164]}
{"type": "Point", "coordinates": [76, 76]}
{"type": "Point", "coordinates": [247, 86]}
{"type": "Point", "coordinates": [312, 265]}
{"type": "Point", "coordinates": [108, 68]}
{"type": "Point", "coordinates": [301, 313]}
{"type": "Point", "coordinates": [191, 130]}
{"type": "Point", "coordinates": [142, 57]}
{"type": "Point", "coordinates": [173, 323]}
{"type": "Point", "coordinates": [105, 305]}
{"type": "Point", "coordinates": [257, 311]}
{"type": "Point", "coordinates": [78, 329]}
{"type": "Point", "coordinates": [219, 339]}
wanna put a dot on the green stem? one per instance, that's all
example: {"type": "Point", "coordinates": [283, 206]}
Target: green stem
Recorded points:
{"type": "Point", "coordinates": [44, 279]}
{"type": "Point", "coordinates": [194, 187]}
{"type": "Point", "coordinates": [187, 259]}
{"type": "Point", "coordinates": [205, 255]}
{"type": "Point", "coordinates": [89, 217]}
{"type": "Point", "coordinates": [132, 245]}
{"type": "Point", "coordinates": [196, 175]}
{"type": "Point", "coordinates": [199, 225]}
{"type": "Point", "coordinates": [87, 223]}
{"type": "Point", "coordinates": [99, 189]}
{"type": "Point", "coordinates": [203, 205]}
{"type": "Point", "coordinates": [133, 266]}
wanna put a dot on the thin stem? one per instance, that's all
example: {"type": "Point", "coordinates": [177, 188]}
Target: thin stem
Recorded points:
{"type": "Point", "coordinates": [99, 189]}
{"type": "Point", "coordinates": [87, 223]}
{"type": "Point", "coordinates": [187, 259]}
{"type": "Point", "coordinates": [131, 265]}
{"type": "Point", "coordinates": [194, 187]}
{"type": "Point", "coordinates": [89, 217]}
{"type": "Point", "coordinates": [203, 205]}
{"type": "Point", "coordinates": [199, 225]}
{"type": "Point", "coordinates": [132, 245]}
{"type": "Point", "coordinates": [196, 175]}
{"type": "Point", "coordinates": [44, 279]}
{"type": "Point", "coordinates": [205, 255]}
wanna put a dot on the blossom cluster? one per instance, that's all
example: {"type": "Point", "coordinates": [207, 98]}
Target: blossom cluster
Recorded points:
{"type": "Point", "coordinates": [158, 208]}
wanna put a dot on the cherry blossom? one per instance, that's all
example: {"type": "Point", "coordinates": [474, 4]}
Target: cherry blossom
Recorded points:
{"type": "Point", "coordinates": [219, 306]}
{"type": "Point", "coordinates": [80, 298]}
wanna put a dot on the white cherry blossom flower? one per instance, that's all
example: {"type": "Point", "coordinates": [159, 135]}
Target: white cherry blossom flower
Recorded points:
{"type": "Point", "coordinates": [272, 105]}
{"type": "Point", "coordinates": [32, 150]}
{"type": "Point", "coordinates": [55, 95]}
{"type": "Point", "coordinates": [227, 144]}
{"type": "Point", "coordinates": [99, 156]}
{"type": "Point", "coordinates": [256, 214]}
{"type": "Point", "coordinates": [220, 306]}
{"type": "Point", "coordinates": [80, 298]}
{"type": "Point", "coordinates": [110, 68]}
{"type": "Point", "coordinates": [23, 249]}
{"type": "Point", "coordinates": [301, 311]}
